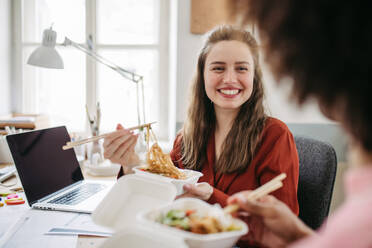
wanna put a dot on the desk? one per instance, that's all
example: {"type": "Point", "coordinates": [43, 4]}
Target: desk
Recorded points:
{"type": "Point", "coordinates": [16, 212]}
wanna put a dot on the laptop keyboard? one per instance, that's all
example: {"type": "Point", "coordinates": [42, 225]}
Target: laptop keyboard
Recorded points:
{"type": "Point", "coordinates": [78, 195]}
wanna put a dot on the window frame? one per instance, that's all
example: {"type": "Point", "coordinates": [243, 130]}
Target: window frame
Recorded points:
{"type": "Point", "coordinates": [24, 96]}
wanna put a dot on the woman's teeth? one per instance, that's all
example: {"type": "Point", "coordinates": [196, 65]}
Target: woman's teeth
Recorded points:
{"type": "Point", "coordinates": [229, 92]}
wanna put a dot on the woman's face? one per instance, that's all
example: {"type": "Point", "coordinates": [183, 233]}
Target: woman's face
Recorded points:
{"type": "Point", "coordinates": [228, 74]}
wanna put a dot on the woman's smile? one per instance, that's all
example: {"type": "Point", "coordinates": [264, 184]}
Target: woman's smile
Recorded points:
{"type": "Point", "coordinates": [229, 92]}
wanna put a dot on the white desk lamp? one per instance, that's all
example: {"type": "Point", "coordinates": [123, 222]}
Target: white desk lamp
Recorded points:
{"type": "Point", "coordinates": [47, 56]}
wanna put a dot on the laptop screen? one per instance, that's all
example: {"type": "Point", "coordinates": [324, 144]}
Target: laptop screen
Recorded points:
{"type": "Point", "coordinates": [42, 165]}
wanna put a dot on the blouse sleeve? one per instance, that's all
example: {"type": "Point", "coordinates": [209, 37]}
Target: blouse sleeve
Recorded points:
{"type": "Point", "coordinates": [175, 154]}
{"type": "Point", "coordinates": [218, 197]}
{"type": "Point", "coordinates": [280, 155]}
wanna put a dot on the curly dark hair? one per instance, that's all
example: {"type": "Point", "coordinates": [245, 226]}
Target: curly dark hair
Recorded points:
{"type": "Point", "coordinates": [323, 46]}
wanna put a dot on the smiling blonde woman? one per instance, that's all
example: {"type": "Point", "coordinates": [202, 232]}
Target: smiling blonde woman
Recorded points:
{"type": "Point", "coordinates": [227, 135]}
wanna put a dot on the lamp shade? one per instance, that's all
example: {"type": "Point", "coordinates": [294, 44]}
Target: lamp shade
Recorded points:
{"type": "Point", "coordinates": [46, 55]}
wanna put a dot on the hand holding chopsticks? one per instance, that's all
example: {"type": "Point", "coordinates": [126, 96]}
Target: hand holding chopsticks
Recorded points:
{"type": "Point", "coordinates": [261, 191]}
{"type": "Point", "coordinates": [70, 145]}
{"type": "Point", "coordinates": [281, 224]}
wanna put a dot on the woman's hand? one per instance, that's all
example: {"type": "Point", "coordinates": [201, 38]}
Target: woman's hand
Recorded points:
{"type": "Point", "coordinates": [281, 225]}
{"type": "Point", "coordinates": [201, 191]}
{"type": "Point", "coordinates": [119, 148]}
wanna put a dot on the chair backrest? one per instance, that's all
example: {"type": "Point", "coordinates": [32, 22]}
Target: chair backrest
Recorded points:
{"type": "Point", "coordinates": [318, 165]}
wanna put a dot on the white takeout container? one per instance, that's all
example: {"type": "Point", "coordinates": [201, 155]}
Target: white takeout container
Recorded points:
{"type": "Point", "coordinates": [192, 177]}
{"type": "Point", "coordinates": [130, 195]}
{"type": "Point", "coordinates": [118, 210]}
{"type": "Point", "coordinates": [221, 240]}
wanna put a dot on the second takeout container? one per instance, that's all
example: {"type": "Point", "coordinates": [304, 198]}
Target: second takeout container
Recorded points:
{"type": "Point", "coordinates": [142, 238]}
{"type": "Point", "coordinates": [221, 240]}
{"type": "Point", "coordinates": [192, 177]}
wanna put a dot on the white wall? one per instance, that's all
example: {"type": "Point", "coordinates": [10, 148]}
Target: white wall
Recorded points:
{"type": "Point", "coordinates": [5, 56]}
{"type": "Point", "coordinates": [277, 102]}
{"type": "Point", "coordinates": [188, 46]}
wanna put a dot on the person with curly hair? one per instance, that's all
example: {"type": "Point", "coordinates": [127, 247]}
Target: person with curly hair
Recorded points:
{"type": "Point", "coordinates": [323, 47]}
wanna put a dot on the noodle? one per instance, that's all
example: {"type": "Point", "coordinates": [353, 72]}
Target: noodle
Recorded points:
{"type": "Point", "coordinates": [158, 162]}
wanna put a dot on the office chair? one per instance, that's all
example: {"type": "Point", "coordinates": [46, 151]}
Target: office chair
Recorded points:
{"type": "Point", "coordinates": [318, 164]}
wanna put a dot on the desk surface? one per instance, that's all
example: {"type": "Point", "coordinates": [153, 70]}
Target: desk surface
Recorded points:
{"type": "Point", "coordinates": [19, 210]}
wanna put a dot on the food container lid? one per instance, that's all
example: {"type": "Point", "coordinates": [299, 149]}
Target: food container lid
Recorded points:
{"type": "Point", "coordinates": [130, 195]}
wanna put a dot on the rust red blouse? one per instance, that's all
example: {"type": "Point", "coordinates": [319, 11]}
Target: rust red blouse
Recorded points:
{"type": "Point", "coordinates": [276, 154]}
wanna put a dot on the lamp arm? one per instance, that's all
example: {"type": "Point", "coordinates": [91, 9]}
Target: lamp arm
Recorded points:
{"type": "Point", "coordinates": [123, 72]}
{"type": "Point", "coordinates": [138, 79]}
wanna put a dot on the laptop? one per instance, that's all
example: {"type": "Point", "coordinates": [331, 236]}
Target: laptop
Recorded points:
{"type": "Point", "coordinates": [51, 177]}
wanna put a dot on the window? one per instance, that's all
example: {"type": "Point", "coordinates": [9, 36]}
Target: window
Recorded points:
{"type": "Point", "coordinates": [58, 93]}
{"type": "Point", "coordinates": [131, 33]}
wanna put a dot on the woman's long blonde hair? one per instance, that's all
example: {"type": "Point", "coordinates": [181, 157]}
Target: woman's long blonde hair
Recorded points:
{"type": "Point", "coordinates": [242, 140]}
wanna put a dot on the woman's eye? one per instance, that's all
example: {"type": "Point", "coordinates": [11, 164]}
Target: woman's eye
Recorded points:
{"type": "Point", "coordinates": [242, 68]}
{"type": "Point", "coordinates": [218, 69]}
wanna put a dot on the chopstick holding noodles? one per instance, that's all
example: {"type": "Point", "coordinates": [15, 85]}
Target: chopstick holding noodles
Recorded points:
{"type": "Point", "coordinates": [261, 191]}
{"type": "Point", "coordinates": [70, 145]}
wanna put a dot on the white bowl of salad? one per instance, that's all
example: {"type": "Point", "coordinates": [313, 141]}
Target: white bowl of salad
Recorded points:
{"type": "Point", "coordinates": [197, 222]}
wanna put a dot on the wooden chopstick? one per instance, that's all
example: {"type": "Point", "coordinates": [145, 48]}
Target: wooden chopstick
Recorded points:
{"type": "Point", "coordinates": [70, 145]}
{"type": "Point", "coordinates": [261, 191]}
{"type": "Point", "coordinates": [266, 190]}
